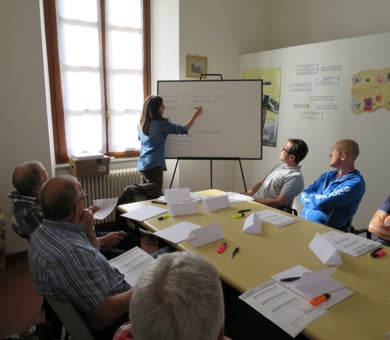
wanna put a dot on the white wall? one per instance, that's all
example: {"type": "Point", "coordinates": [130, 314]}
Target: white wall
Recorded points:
{"type": "Point", "coordinates": [368, 128]}
{"type": "Point", "coordinates": [301, 22]}
{"type": "Point", "coordinates": [24, 132]}
{"type": "Point", "coordinates": [220, 29]}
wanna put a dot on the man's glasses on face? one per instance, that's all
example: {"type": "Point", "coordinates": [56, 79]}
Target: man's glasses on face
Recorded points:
{"type": "Point", "coordinates": [83, 196]}
{"type": "Point", "coordinates": [284, 148]}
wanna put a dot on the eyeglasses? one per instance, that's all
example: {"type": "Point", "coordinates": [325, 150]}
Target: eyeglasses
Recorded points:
{"type": "Point", "coordinates": [285, 149]}
{"type": "Point", "coordinates": [83, 196]}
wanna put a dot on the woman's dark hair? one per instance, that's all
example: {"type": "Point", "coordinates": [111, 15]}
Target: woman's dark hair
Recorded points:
{"type": "Point", "coordinates": [150, 111]}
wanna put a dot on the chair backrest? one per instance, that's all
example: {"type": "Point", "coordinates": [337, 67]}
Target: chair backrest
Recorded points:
{"type": "Point", "coordinates": [351, 229]}
{"type": "Point", "coordinates": [289, 209]}
{"type": "Point", "coordinates": [135, 193]}
{"type": "Point", "coordinates": [74, 324]}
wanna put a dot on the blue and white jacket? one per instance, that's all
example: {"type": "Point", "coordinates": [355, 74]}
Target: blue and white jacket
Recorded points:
{"type": "Point", "coordinates": [333, 200]}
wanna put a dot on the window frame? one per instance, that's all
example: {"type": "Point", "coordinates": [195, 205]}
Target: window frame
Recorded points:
{"type": "Point", "coordinates": [57, 106]}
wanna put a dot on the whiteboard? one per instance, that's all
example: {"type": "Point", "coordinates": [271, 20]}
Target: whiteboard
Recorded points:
{"type": "Point", "coordinates": [228, 128]}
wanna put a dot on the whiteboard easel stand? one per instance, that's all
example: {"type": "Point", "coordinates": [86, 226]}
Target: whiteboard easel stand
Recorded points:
{"type": "Point", "coordinates": [211, 169]}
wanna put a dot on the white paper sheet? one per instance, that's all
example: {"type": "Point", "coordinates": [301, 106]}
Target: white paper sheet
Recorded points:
{"type": "Point", "coordinates": [285, 308]}
{"type": "Point", "coordinates": [314, 283]}
{"type": "Point", "coordinates": [201, 236]}
{"type": "Point", "coordinates": [325, 251]}
{"type": "Point", "coordinates": [275, 218]}
{"type": "Point", "coordinates": [194, 197]}
{"type": "Point", "coordinates": [183, 208]}
{"type": "Point", "coordinates": [178, 232]}
{"type": "Point", "coordinates": [177, 195]}
{"type": "Point", "coordinates": [216, 203]}
{"type": "Point", "coordinates": [132, 263]}
{"type": "Point", "coordinates": [351, 244]}
{"type": "Point", "coordinates": [144, 213]}
{"type": "Point", "coordinates": [252, 224]}
{"type": "Point", "coordinates": [235, 197]}
{"type": "Point", "coordinates": [106, 207]}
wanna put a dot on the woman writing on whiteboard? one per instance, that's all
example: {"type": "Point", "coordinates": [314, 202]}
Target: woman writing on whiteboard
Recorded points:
{"type": "Point", "coordinates": [152, 132]}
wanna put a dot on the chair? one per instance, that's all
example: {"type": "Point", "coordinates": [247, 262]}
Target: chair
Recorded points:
{"type": "Point", "coordinates": [74, 324]}
{"type": "Point", "coordinates": [351, 229]}
{"type": "Point", "coordinates": [288, 209]}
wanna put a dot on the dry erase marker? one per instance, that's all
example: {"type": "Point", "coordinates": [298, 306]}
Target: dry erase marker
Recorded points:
{"type": "Point", "coordinates": [222, 248]}
{"type": "Point", "coordinates": [163, 217]}
{"type": "Point", "coordinates": [238, 215]}
{"type": "Point", "coordinates": [319, 299]}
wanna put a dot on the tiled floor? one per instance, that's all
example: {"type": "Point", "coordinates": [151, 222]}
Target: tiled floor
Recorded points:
{"type": "Point", "coordinates": [20, 305]}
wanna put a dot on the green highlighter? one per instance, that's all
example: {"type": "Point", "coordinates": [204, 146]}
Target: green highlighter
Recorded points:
{"type": "Point", "coordinates": [163, 217]}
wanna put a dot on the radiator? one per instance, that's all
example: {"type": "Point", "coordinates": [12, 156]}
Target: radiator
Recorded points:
{"type": "Point", "coordinates": [109, 186]}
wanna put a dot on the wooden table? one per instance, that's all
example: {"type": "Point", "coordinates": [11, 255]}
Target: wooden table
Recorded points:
{"type": "Point", "coordinates": [364, 315]}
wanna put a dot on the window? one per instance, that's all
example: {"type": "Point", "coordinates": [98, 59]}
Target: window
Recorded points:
{"type": "Point", "coordinates": [98, 53]}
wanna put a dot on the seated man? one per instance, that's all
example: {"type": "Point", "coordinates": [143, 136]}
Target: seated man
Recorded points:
{"type": "Point", "coordinates": [334, 197]}
{"type": "Point", "coordinates": [65, 263]}
{"type": "Point", "coordinates": [27, 179]}
{"type": "Point", "coordinates": [26, 214]}
{"type": "Point", "coordinates": [380, 223]}
{"type": "Point", "coordinates": [179, 296]}
{"type": "Point", "coordinates": [285, 181]}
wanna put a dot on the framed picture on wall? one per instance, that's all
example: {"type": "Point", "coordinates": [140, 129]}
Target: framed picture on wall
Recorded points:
{"type": "Point", "coordinates": [195, 66]}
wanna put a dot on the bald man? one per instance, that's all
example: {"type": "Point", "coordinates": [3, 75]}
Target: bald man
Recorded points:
{"type": "Point", "coordinates": [334, 197]}
{"type": "Point", "coordinates": [27, 180]}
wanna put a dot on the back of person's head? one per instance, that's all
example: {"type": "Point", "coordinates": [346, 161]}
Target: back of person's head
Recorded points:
{"type": "Point", "coordinates": [349, 146]}
{"type": "Point", "coordinates": [299, 149]}
{"type": "Point", "coordinates": [150, 111]}
{"type": "Point", "coordinates": [58, 197]}
{"type": "Point", "coordinates": [28, 176]}
{"type": "Point", "coordinates": [179, 296]}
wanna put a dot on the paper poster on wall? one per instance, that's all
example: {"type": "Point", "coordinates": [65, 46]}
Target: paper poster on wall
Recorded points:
{"type": "Point", "coordinates": [315, 89]}
{"type": "Point", "coordinates": [271, 101]}
{"type": "Point", "coordinates": [370, 90]}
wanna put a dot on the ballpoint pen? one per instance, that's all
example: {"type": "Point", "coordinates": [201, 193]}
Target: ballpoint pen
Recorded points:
{"type": "Point", "coordinates": [235, 251]}
{"type": "Point", "coordinates": [240, 213]}
{"type": "Point", "coordinates": [159, 202]}
{"type": "Point", "coordinates": [290, 279]}
{"type": "Point", "coordinates": [243, 211]}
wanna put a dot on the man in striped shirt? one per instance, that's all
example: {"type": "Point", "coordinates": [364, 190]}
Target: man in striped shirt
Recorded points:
{"type": "Point", "coordinates": [66, 264]}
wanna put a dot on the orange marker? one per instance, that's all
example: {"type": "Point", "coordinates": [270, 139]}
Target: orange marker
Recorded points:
{"type": "Point", "coordinates": [319, 299]}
